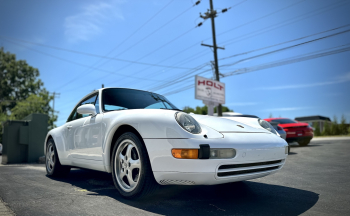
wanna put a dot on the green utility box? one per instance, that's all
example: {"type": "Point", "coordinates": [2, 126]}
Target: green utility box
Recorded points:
{"type": "Point", "coordinates": [23, 140]}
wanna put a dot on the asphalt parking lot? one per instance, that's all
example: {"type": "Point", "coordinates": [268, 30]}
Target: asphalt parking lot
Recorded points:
{"type": "Point", "coordinates": [314, 181]}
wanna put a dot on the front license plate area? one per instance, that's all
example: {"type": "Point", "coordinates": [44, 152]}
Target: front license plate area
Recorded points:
{"type": "Point", "coordinates": [299, 133]}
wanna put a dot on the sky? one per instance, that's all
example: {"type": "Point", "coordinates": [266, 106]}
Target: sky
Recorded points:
{"type": "Point", "coordinates": [155, 45]}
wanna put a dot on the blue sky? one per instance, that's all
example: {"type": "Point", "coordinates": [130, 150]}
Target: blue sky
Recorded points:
{"type": "Point", "coordinates": [163, 33]}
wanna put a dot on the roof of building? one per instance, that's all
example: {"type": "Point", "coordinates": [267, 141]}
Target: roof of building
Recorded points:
{"type": "Point", "coordinates": [312, 118]}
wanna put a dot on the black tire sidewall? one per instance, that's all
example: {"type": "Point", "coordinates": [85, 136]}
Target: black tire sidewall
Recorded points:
{"type": "Point", "coordinates": [58, 170]}
{"type": "Point", "coordinates": [56, 157]}
{"type": "Point", "coordinates": [145, 169]}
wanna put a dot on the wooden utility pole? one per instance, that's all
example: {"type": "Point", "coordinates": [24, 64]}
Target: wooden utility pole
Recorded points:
{"type": "Point", "coordinates": [212, 14]}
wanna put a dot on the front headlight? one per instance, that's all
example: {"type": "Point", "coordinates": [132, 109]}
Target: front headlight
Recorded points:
{"type": "Point", "coordinates": [267, 126]}
{"type": "Point", "coordinates": [188, 123]}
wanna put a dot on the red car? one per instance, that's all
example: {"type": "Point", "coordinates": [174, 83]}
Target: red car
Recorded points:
{"type": "Point", "coordinates": [296, 131]}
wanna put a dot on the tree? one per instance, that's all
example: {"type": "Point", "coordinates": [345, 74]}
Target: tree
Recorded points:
{"type": "Point", "coordinates": [203, 110]}
{"type": "Point", "coordinates": [343, 127]}
{"type": "Point", "coordinates": [17, 80]}
{"type": "Point", "coordinates": [317, 131]}
{"type": "Point", "coordinates": [326, 129]}
{"type": "Point", "coordinates": [335, 126]}
{"type": "Point", "coordinates": [20, 88]}
{"type": "Point", "coordinates": [34, 104]}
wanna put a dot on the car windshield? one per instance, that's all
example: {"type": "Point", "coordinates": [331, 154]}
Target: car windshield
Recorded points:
{"type": "Point", "coordinates": [121, 99]}
{"type": "Point", "coordinates": [284, 121]}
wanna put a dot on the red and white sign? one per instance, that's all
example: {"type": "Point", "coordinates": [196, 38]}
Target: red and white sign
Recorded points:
{"type": "Point", "coordinates": [209, 90]}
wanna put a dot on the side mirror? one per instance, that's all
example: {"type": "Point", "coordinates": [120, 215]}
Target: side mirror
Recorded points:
{"type": "Point", "coordinates": [87, 109]}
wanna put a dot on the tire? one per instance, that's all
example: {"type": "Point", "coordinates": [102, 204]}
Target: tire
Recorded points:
{"type": "Point", "coordinates": [288, 149]}
{"type": "Point", "coordinates": [304, 142]}
{"type": "Point", "coordinates": [52, 162]}
{"type": "Point", "coordinates": [131, 169]}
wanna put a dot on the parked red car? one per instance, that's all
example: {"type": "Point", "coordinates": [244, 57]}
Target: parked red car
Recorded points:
{"type": "Point", "coordinates": [296, 131]}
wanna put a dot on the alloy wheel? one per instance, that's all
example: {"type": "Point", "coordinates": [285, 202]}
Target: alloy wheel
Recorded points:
{"type": "Point", "coordinates": [127, 165]}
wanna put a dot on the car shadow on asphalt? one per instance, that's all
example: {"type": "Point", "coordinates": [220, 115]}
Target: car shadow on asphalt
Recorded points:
{"type": "Point", "coordinates": [298, 146]}
{"type": "Point", "coordinates": [247, 197]}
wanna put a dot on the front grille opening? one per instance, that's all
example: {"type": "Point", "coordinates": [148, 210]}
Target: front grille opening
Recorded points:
{"type": "Point", "coordinates": [240, 172]}
{"type": "Point", "coordinates": [232, 166]}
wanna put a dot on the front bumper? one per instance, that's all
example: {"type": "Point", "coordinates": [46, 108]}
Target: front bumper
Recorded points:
{"type": "Point", "coordinates": [251, 148]}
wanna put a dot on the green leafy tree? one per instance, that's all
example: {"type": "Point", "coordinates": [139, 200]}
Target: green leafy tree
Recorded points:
{"type": "Point", "coordinates": [317, 131]}
{"type": "Point", "coordinates": [18, 82]}
{"type": "Point", "coordinates": [203, 110]}
{"type": "Point", "coordinates": [34, 104]}
{"type": "Point", "coordinates": [335, 126]}
{"type": "Point", "coordinates": [224, 109]}
{"type": "Point", "coordinates": [326, 129]}
{"type": "Point", "coordinates": [343, 128]}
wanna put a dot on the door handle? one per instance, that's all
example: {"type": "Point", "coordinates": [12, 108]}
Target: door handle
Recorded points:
{"type": "Point", "coordinates": [69, 126]}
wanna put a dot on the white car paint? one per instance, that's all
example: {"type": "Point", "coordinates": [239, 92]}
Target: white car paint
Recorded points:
{"type": "Point", "coordinates": [86, 143]}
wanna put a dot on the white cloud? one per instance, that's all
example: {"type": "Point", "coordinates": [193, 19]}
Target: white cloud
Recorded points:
{"type": "Point", "coordinates": [339, 79]}
{"type": "Point", "coordinates": [241, 104]}
{"type": "Point", "coordinates": [91, 20]}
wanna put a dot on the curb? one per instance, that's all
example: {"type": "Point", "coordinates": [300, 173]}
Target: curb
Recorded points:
{"type": "Point", "coordinates": [5, 210]}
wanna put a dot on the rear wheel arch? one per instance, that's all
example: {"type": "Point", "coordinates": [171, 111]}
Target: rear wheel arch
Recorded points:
{"type": "Point", "coordinates": [46, 141]}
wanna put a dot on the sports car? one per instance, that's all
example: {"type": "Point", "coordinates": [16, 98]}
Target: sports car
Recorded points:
{"type": "Point", "coordinates": [296, 131]}
{"type": "Point", "coordinates": [144, 140]}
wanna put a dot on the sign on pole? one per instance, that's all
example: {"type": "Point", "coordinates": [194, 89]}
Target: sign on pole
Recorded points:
{"type": "Point", "coordinates": [209, 90]}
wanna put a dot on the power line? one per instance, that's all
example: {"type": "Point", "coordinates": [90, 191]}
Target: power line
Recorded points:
{"type": "Point", "coordinates": [126, 39]}
{"type": "Point", "coordinates": [282, 62]}
{"type": "Point", "coordinates": [261, 17]}
{"type": "Point", "coordinates": [300, 38]}
{"type": "Point", "coordinates": [94, 55]}
{"type": "Point", "coordinates": [286, 48]}
{"type": "Point", "coordinates": [82, 65]}
{"type": "Point", "coordinates": [281, 24]}
{"type": "Point", "coordinates": [244, 36]}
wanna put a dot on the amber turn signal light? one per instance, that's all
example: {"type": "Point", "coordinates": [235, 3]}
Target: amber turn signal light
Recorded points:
{"type": "Point", "coordinates": [185, 153]}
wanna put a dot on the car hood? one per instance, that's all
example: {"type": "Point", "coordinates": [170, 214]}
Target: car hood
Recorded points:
{"type": "Point", "coordinates": [224, 125]}
{"type": "Point", "coordinates": [299, 124]}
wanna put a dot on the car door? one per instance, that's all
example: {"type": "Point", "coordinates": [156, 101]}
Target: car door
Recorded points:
{"type": "Point", "coordinates": [84, 135]}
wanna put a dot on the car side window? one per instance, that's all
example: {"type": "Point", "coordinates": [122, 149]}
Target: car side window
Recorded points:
{"type": "Point", "coordinates": [75, 115]}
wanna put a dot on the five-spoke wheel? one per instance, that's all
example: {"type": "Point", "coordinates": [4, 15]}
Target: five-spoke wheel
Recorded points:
{"type": "Point", "coordinates": [50, 157]}
{"type": "Point", "coordinates": [131, 169]}
{"type": "Point", "coordinates": [128, 165]}
{"type": "Point", "coordinates": [53, 165]}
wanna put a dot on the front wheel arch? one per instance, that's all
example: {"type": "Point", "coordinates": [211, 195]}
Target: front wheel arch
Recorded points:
{"type": "Point", "coordinates": [121, 130]}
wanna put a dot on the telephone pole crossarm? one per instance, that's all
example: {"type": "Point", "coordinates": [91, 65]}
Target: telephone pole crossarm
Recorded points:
{"type": "Point", "coordinates": [212, 46]}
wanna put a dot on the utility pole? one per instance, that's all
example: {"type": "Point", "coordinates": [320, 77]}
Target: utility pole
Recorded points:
{"type": "Point", "coordinates": [212, 14]}
{"type": "Point", "coordinates": [54, 94]}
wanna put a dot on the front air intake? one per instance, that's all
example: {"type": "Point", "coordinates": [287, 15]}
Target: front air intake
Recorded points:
{"type": "Point", "coordinates": [176, 182]}
{"type": "Point", "coordinates": [228, 170]}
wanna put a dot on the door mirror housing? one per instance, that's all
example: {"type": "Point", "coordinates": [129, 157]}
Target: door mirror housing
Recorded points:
{"type": "Point", "coordinates": [87, 109]}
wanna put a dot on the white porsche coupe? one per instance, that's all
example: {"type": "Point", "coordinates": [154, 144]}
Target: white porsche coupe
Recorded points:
{"type": "Point", "coordinates": [144, 140]}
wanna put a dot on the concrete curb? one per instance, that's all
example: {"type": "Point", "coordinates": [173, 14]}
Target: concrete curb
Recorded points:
{"type": "Point", "coordinates": [5, 210]}
{"type": "Point", "coordinates": [331, 138]}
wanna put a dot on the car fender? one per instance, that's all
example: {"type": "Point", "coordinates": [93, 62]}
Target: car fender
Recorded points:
{"type": "Point", "coordinates": [150, 124]}
{"type": "Point", "coordinates": [58, 135]}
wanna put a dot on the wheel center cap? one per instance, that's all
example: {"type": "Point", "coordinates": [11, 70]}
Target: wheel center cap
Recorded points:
{"type": "Point", "coordinates": [124, 165]}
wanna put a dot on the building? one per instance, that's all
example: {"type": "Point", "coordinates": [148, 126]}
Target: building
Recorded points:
{"type": "Point", "coordinates": [314, 120]}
